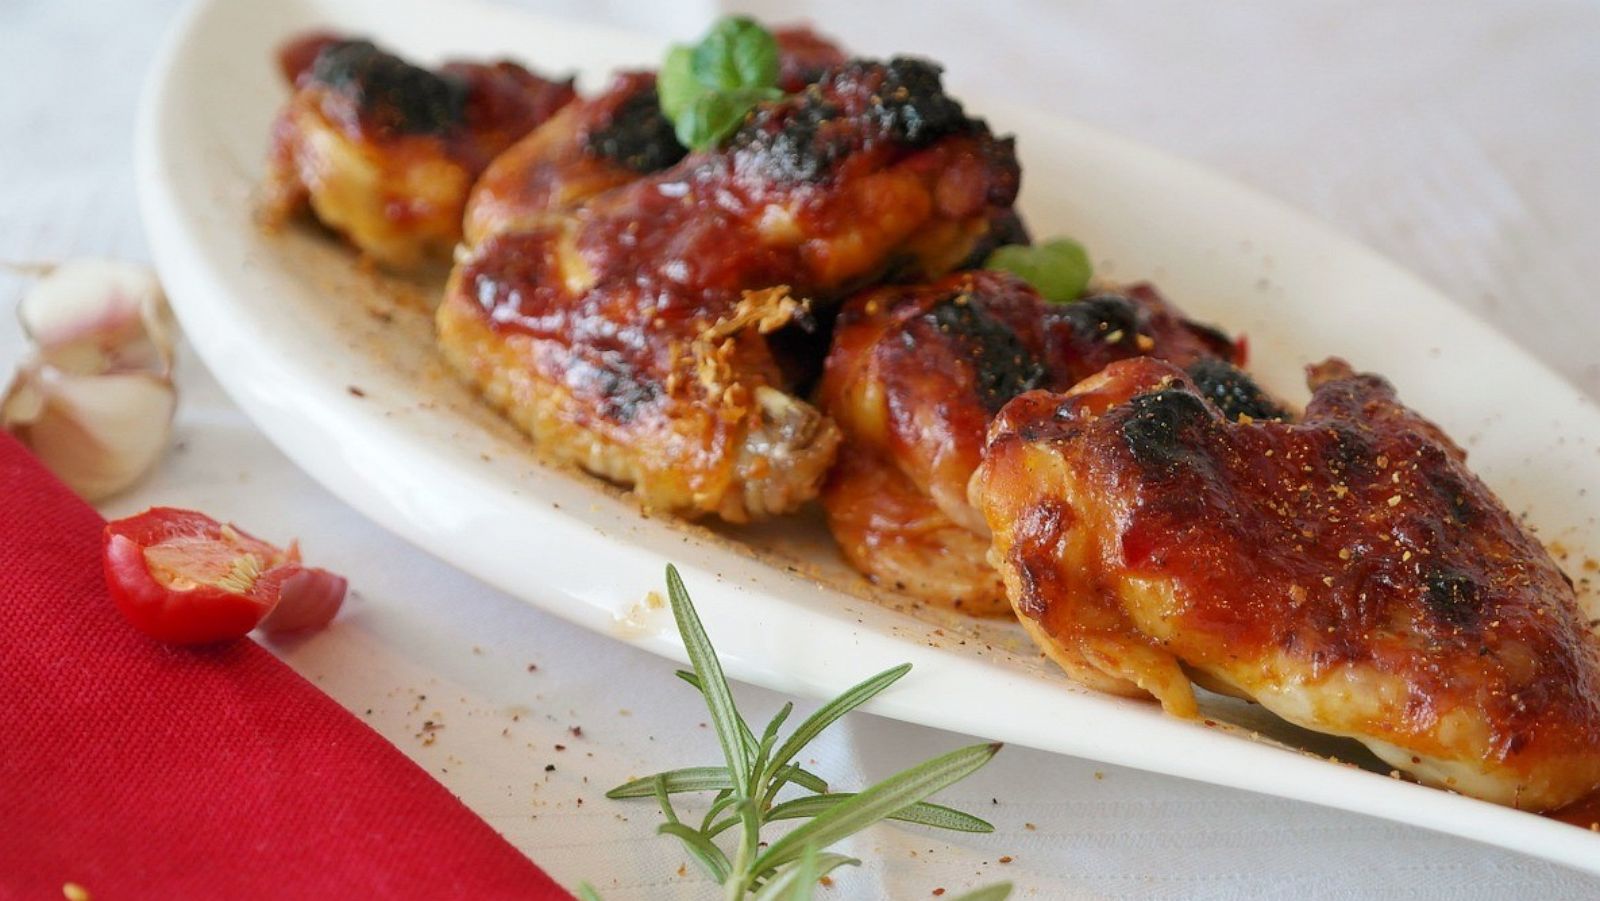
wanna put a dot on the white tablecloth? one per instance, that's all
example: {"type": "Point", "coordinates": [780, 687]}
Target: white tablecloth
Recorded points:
{"type": "Point", "coordinates": [1460, 138]}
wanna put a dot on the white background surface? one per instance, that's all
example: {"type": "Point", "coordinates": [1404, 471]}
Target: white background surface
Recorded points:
{"type": "Point", "coordinates": [1460, 139]}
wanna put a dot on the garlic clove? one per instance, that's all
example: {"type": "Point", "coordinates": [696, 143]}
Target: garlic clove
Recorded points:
{"type": "Point", "coordinates": [97, 433]}
{"type": "Point", "coordinates": [92, 316]}
{"type": "Point", "coordinates": [308, 598]}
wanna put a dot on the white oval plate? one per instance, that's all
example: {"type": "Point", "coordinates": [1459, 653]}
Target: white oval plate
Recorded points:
{"type": "Point", "coordinates": [335, 366]}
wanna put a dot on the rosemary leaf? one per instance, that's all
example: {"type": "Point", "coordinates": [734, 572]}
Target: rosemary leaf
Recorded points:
{"type": "Point", "coordinates": [768, 739]}
{"type": "Point", "coordinates": [924, 814]}
{"type": "Point", "coordinates": [713, 685]}
{"type": "Point", "coordinates": [746, 737]}
{"type": "Point", "coordinates": [690, 779]}
{"type": "Point", "coordinates": [720, 803]}
{"type": "Point", "coordinates": [803, 778]}
{"type": "Point", "coordinates": [661, 798]}
{"type": "Point", "coordinates": [1000, 891]}
{"type": "Point", "coordinates": [700, 848]}
{"type": "Point", "coordinates": [829, 713]}
{"type": "Point", "coordinates": [889, 796]}
{"type": "Point", "coordinates": [795, 882]}
{"type": "Point", "coordinates": [755, 774]}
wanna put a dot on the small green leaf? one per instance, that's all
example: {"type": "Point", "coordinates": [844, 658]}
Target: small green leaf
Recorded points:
{"type": "Point", "coordinates": [663, 800]}
{"type": "Point", "coordinates": [768, 739]}
{"type": "Point", "coordinates": [715, 115]}
{"type": "Point", "coordinates": [676, 86]}
{"type": "Point", "coordinates": [1000, 891]}
{"type": "Point", "coordinates": [889, 796]}
{"type": "Point", "coordinates": [803, 778]}
{"type": "Point", "coordinates": [723, 799]}
{"type": "Point", "coordinates": [689, 779]}
{"type": "Point", "coordinates": [709, 88]}
{"type": "Point", "coordinates": [736, 53]}
{"type": "Point", "coordinates": [935, 815]}
{"type": "Point", "coordinates": [700, 848]}
{"type": "Point", "coordinates": [713, 685]}
{"type": "Point", "coordinates": [829, 713]}
{"type": "Point", "coordinates": [1058, 269]}
{"type": "Point", "coordinates": [587, 892]}
{"type": "Point", "coordinates": [747, 737]}
{"type": "Point", "coordinates": [796, 881]}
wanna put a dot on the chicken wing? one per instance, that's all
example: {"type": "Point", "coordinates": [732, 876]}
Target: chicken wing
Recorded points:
{"type": "Point", "coordinates": [1346, 571]}
{"type": "Point", "coordinates": [384, 152]}
{"type": "Point", "coordinates": [914, 377]}
{"type": "Point", "coordinates": [606, 141]}
{"type": "Point", "coordinates": [630, 336]}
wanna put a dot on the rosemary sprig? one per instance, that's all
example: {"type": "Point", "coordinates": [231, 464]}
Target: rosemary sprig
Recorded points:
{"type": "Point", "coordinates": [757, 769]}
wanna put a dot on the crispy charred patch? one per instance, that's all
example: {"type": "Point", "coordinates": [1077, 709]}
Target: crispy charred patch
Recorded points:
{"type": "Point", "coordinates": [917, 374]}
{"type": "Point", "coordinates": [1347, 570]}
{"type": "Point", "coordinates": [1232, 391]}
{"type": "Point", "coordinates": [689, 272]}
{"type": "Point", "coordinates": [805, 137]}
{"type": "Point", "coordinates": [1159, 427]}
{"type": "Point", "coordinates": [1451, 596]}
{"type": "Point", "coordinates": [1104, 317]}
{"type": "Point", "coordinates": [638, 136]}
{"type": "Point", "coordinates": [385, 152]}
{"type": "Point", "coordinates": [1003, 366]}
{"type": "Point", "coordinates": [389, 94]}
{"type": "Point", "coordinates": [914, 107]}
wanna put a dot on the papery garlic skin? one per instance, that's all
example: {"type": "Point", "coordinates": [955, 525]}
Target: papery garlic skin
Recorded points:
{"type": "Point", "coordinates": [96, 316]}
{"type": "Point", "coordinates": [95, 401]}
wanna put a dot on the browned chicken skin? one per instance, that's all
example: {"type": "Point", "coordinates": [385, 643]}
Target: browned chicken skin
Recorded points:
{"type": "Point", "coordinates": [914, 377]}
{"type": "Point", "coordinates": [1346, 571]}
{"type": "Point", "coordinates": [629, 336]}
{"type": "Point", "coordinates": [606, 141]}
{"type": "Point", "coordinates": [384, 152]}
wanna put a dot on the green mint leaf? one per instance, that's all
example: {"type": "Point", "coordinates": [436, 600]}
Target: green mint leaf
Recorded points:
{"type": "Point", "coordinates": [1058, 269]}
{"type": "Point", "coordinates": [887, 797]}
{"type": "Point", "coordinates": [736, 53]}
{"type": "Point", "coordinates": [730, 727]}
{"type": "Point", "coordinates": [715, 115]}
{"type": "Point", "coordinates": [708, 89]}
{"type": "Point", "coordinates": [676, 86]}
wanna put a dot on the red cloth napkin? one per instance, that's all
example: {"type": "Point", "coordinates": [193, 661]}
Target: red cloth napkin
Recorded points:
{"type": "Point", "coordinates": [136, 770]}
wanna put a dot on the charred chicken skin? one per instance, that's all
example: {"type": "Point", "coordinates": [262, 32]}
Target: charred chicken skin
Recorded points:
{"type": "Point", "coordinates": [606, 141]}
{"type": "Point", "coordinates": [630, 335]}
{"type": "Point", "coordinates": [384, 152]}
{"type": "Point", "coordinates": [915, 375]}
{"type": "Point", "coordinates": [1346, 571]}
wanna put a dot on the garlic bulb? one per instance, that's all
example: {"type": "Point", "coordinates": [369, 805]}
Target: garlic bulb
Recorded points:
{"type": "Point", "coordinates": [95, 400]}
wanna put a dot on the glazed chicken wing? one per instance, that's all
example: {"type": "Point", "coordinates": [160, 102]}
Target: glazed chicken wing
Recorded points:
{"type": "Point", "coordinates": [606, 141]}
{"type": "Point", "coordinates": [630, 335]}
{"type": "Point", "coordinates": [914, 377]}
{"type": "Point", "coordinates": [1346, 571]}
{"type": "Point", "coordinates": [384, 152]}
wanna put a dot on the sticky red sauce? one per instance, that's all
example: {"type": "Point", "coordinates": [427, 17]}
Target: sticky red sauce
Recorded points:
{"type": "Point", "coordinates": [1585, 813]}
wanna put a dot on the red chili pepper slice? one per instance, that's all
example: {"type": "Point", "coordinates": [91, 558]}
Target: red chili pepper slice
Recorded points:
{"type": "Point", "coordinates": [182, 577]}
